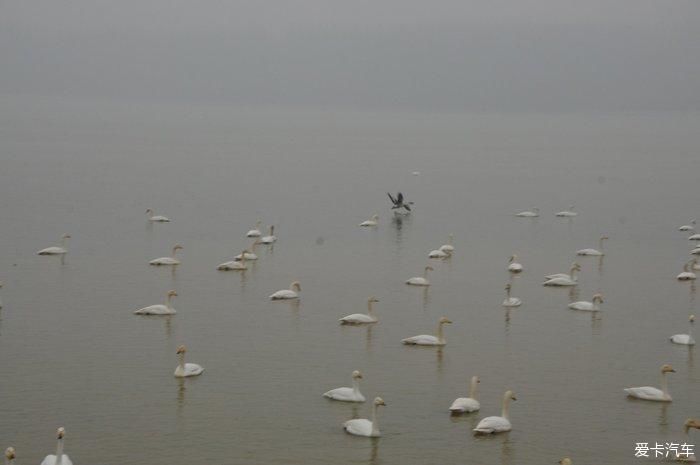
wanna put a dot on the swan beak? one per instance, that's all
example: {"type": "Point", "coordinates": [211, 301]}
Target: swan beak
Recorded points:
{"type": "Point", "coordinates": [513, 398]}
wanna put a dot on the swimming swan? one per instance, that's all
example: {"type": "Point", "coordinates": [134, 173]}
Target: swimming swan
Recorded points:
{"type": "Point", "coordinates": [429, 340]}
{"type": "Point", "coordinates": [56, 250]}
{"type": "Point", "coordinates": [291, 293]}
{"type": "Point", "coordinates": [60, 458]}
{"type": "Point", "coordinates": [564, 275]}
{"type": "Point", "coordinates": [361, 318]}
{"type": "Point", "coordinates": [592, 306]}
{"type": "Point", "coordinates": [249, 253]}
{"type": "Point", "coordinates": [497, 424]}
{"type": "Point", "coordinates": [421, 280]}
{"type": "Point", "coordinates": [594, 252]}
{"type": "Point", "coordinates": [167, 261]}
{"type": "Point", "coordinates": [685, 339]}
{"type": "Point", "coordinates": [687, 275]}
{"type": "Point", "coordinates": [534, 213]}
{"type": "Point", "coordinates": [448, 248]}
{"type": "Point", "coordinates": [348, 394]}
{"type": "Point", "coordinates": [563, 280]}
{"type": "Point", "coordinates": [688, 227]}
{"type": "Point", "coordinates": [371, 222]}
{"type": "Point", "coordinates": [567, 213]}
{"type": "Point", "coordinates": [255, 232]}
{"type": "Point", "coordinates": [159, 309]}
{"type": "Point", "coordinates": [156, 218]}
{"type": "Point", "coordinates": [439, 253]}
{"type": "Point", "coordinates": [514, 267]}
{"type": "Point", "coordinates": [511, 301]}
{"type": "Point", "coordinates": [235, 265]}
{"type": "Point", "coordinates": [652, 393]}
{"type": "Point", "coordinates": [364, 427]}
{"type": "Point", "coordinates": [185, 370]}
{"type": "Point", "coordinates": [271, 238]}
{"type": "Point", "coordinates": [467, 404]}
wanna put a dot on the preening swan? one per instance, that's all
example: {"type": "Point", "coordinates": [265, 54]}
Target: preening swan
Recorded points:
{"type": "Point", "coordinates": [448, 248]}
{"type": "Point", "coordinates": [185, 370]}
{"type": "Point", "coordinates": [291, 293]}
{"type": "Point", "coordinates": [167, 261]}
{"type": "Point", "coordinates": [567, 213]}
{"type": "Point", "coordinates": [535, 212]}
{"type": "Point", "coordinates": [439, 253]}
{"type": "Point", "coordinates": [364, 427]}
{"type": "Point", "coordinates": [348, 394]}
{"type": "Point", "coordinates": [592, 306]}
{"type": "Point", "coordinates": [270, 238]}
{"type": "Point", "coordinates": [497, 424]}
{"type": "Point", "coordinates": [685, 339]}
{"type": "Point", "coordinates": [594, 252]}
{"type": "Point", "coordinates": [688, 227]}
{"type": "Point", "coordinates": [56, 250]}
{"type": "Point", "coordinates": [159, 309]}
{"type": "Point", "coordinates": [467, 404]}
{"type": "Point", "coordinates": [687, 275]}
{"type": "Point", "coordinates": [652, 393]}
{"type": "Point", "coordinates": [60, 458]}
{"type": "Point", "coordinates": [361, 318]}
{"type": "Point", "coordinates": [511, 301]}
{"type": "Point", "coordinates": [563, 280]}
{"type": "Point", "coordinates": [156, 218]}
{"type": "Point", "coordinates": [10, 456]}
{"type": "Point", "coordinates": [235, 265]}
{"type": "Point", "coordinates": [427, 339]}
{"type": "Point", "coordinates": [421, 280]}
{"type": "Point", "coordinates": [371, 222]}
{"type": "Point", "coordinates": [255, 232]}
{"type": "Point", "coordinates": [514, 267]}
{"type": "Point", "coordinates": [249, 253]}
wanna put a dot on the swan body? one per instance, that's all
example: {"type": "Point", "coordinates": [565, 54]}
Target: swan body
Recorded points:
{"type": "Point", "coordinates": [495, 424]}
{"type": "Point", "coordinates": [159, 309]}
{"type": "Point", "coordinates": [167, 261]}
{"type": "Point", "coordinates": [514, 266]}
{"type": "Point", "coordinates": [652, 393]}
{"type": "Point", "coordinates": [687, 275]}
{"type": "Point", "coordinates": [574, 266]}
{"type": "Point", "coordinates": [421, 280]}
{"type": "Point", "coordinates": [235, 265]}
{"type": "Point", "coordinates": [62, 250]}
{"type": "Point", "coordinates": [249, 253]}
{"type": "Point", "coordinates": [511, 301]}
{"type": "Point", "coordinates": [286, 294]}
{"type": "Point", "coordinates": [448, 248]}
{"type": "Point", "coordinates": [371, 222]}
{"type": "Point", "coordinates": [685, 339]}
{"type": "Point", "coordinates": [694, 237]}
{"type": "Point", "coordinates": [695, 251]}
{"type": "Point", "coordinates": [348, 394]}
{"type": "Point", "coordinates": [688, 227]}
{"type": "Point", "coordinates": [534, 213]}
{"type": "Point", "coordinates": [467, 404]}
{"type": "Point", "coordinates": [361, 318]}
{"type": "Point", "coordinates": [255, 232]}
{"type": "Point", "coordinates": [185, 370]}
{"type": "Point", "coordinates": [364, 427]}
{"type": "Point", "coordinates": [270, 238]}
{"type": "Point", "coordinates": [594, 252]}
{"type": "Point", "coordinates": [59, 458]}
{"type": "Point", "coordinates": [567, 213]}
{"type": "Point", "coordinates": [156, 218]}
{"type": "Point", "coordinates": [560, 280]}
{"type": "Point", "coordinates": [428, 339]}
{"type": "Point", "coordinates": [438, 253]}
{"type": "Point", "coordinates": [592, 306]}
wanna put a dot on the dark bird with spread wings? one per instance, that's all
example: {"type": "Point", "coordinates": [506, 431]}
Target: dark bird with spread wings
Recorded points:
{"type": "Point", "coordinates": [399, 202]}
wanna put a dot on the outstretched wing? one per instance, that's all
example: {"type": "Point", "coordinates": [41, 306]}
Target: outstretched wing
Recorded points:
{"type": "Point", "coordinates": [407, 207]}
{"type": "Point", "coordinates": [393, 200]}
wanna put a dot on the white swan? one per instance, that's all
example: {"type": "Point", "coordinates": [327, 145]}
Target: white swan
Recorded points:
{"type": "Point", "coordinates": [689, 423]}
{"type": "Point", "coordinates": [348, 394]}
{"type": "Point", "coordinates": [592, 306]}
{"type": "Point", "coordinates": [563, 280]}
{"type": "Point", "coordinates": [285, 294]}
{"type": "Point", "coordinates": [63, 249]}
{"type": "Point", "coordinates": [249, 253]}
{"type": "Point", "coordinates": [439, 253]}
{"type": "Point", "coordinates": [60, 458]}
{"type": "Point", "coordinates": [500, 424]}
{"type": "Point", "coordinates": [564, 275]}
{"type": "Point", "coordinates": [535, 212]}
{"type": "Point", "coordinates": [688, 227]}
{"type": "Point", "coordinates": [167, 261]}
{"type": "Point", "coordinates": [687, 275]}
{"type": "Point", "coordinates": [270, 238]}
{"type": "Point", "coordinates": [421, 280]}
{"type": "Point", "coordinates": [183, 369]}
{"type": "Point", "coordinates": [514, 267]}
{"type": "Point", "coordinates": [364, 427]}
{"type": "Point", "coordinates": [511, 301]}
{"type": "Point", "coordinates": [652, 393]}
{"type": "Point", "coordinates": [695, 251]}
{"type": "Point", "coordinates": [235, 265]}
{"type": "Point", "coordinates": [427, 339]}
{"type": "Point", "coordinates": [10, 456]}
{"type": "Point", "coordinates": [156, 218]}
{"type": "Point", "coordinates": [467, 404]}
{"type": "Point", "coordinates": [694, 237]}
{"type": "Point", "coordinates": [685, 339]}
{"type": "Point", "coordinates": [361, 318]}
{"type": "Point", "coordinates": [594, 252]}
{"type": "Point", "coordinates": [566, 461]}
{"type": "Point", "coordinates": [448, 248]}
{"type": "Point", "coordinates": [159, 309]}
{"type": "Point", "coordinates": [567, 213]}
{"type": "Point", "coordinates": [255, 232]}
{"type": "Point", "coordinates": [371, 222]}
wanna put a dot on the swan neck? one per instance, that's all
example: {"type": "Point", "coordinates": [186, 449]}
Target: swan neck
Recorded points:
{"type": "Point", "coordinates": [472, 389]}
{"type": "Point", "coordinates": [168, 301]}
{"type": "Point", "coordinates": [181, 362]}
{"type": "Point", "coordinates": [355, 386]}
{"type": "Point", "coordinates": [439, 333]}
{"type": "Point", "coordinates": [572, 272]}
{"type": "Point", "coordinates": [425, 273]}
{"type": "Point", "coordinates": [664, 384]}
{"type": "Point", "coordinates": [506, 405]}
{"type": "Point", "coordinates": [508, 292]}
{"type": "Point", "coordinates": [375, 424]}
{"type": "Point", "coordinates": [59, 451]}
{"type": "Point", "coordinates": [369, 307]}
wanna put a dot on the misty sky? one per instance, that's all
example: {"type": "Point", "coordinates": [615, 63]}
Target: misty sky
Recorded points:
{"type": "Point", "coordinates": [470, 55]}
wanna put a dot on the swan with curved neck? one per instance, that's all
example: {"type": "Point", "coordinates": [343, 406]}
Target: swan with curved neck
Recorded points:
{"type": "Point", "coordinates": [685, 339]}
{"type": "Point", "coordinates": [421, 280]}
{"type": "Point", "coordinates": [513, 265]}
{"type": "Point", "coordinates": [185, 370]}
{"type": "Point", "coordinates": [255, 232]}
{"type": "Point", "coordinates": [159, 309]}
{"type": "Point", "coordinates": [568, 212]}
{"type": "Point", "coordinates": [534, 213]}
{"type": "Point", "coordinates": [60, 250]}
{"type": "Point", "coordinates": [467, 404]}
{"type": "Point", "coordinates": [362, 318]}
{"type": "Point", "coordinates": [167, 261]}
{"type": "Point", "coordinates": [563, 280]}
{"type": "Point", "coordinates": [592, 306]}
{"type": "Point", "coordinates": [449, 247]}
{"type": "Point", "coordinates": [428, 339]}
{"type": "Point", "coordinates": [60, 458]}
{"type": "Point", "coordinates": [235, 265]}
{"type": "Point", "coordinates": [348, 394]}
{"type": "Point", "coordinates": [153, 218]}
{"type": "Point", "coordinates": [10, 456]}
{"type": "Point", "coordinates": [370, 222]}
{"type": "Point", "coordinates": [364, 427]}
{"type": "Point", "coordinates": [497, 424]}
{"type": "Point", "coordinates": [688, 227]}
{"type": "Point", "coordinates": [270, 238]}
{"type": "Point", "coordinates": [564, 275]}
{"type": "Point", "coordinates": [687, 274]}
{"type": "Point", "coordinates": [690, 423]}
{"type": "Point", "coordinates": [652, 393]}
{"type": "Point", "coordinates": [249, 253]}
{"type": "Point", "coordinates": [285, 294]}
{"type": "Point", "coordinates": [511, 301]}
{"type": "Point", "coordinates": [594, 252]}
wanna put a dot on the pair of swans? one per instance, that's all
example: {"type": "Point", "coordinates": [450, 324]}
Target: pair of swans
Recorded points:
{"type": "Point", "coordinates": [287, 294]}
{"type": "Point", "coordinates": [685, 339]}
{"type": "Point", "coordinates": [428, 339]}
{"type": "Point", "coordinates": [652, 393]}
{"type": "Point", "coordinates": [153, 218]}
{"type": "Point", "coordinates": [513, 265]}
{"type": "Point", "coordinates": [59, 458]}
{"type": "Point", "coordinates": [496, 424]}
{"type": "Point", "coordinates": [167, 261]}
{"type": "Point", "coordinates": [270, 238]}
{"type": "Point", "coordinates": [255, 232]}
{"type": "Point", "coordinates": [688, 227]}
{"type": "Point", "coordinates": [364, 427]}
{"type": "Point", "coordinates": [348, 394]}
{"type": "Point", "coordinates": [370, 223]}
{"type": "Point", "coordinates": [592, 306]}
{"type": "Point", "coordinates": [159, 309]}
{"type": "Point", "coordinates": [57, 250]}
{"type": "Point", "coordinates": [185, 370]}
{"type": "Point", "coordinates": [594, 252]}
{"type": "Point", "coordinates": [687, 274]}
{"type": "Point", "coordinates": [235, 265]}
{"type": "Point", "coordinates": [467, 404]}
{"type": "Point", "coordinates": [511, 301]}
{"type": "Point", "coordinates": [362, 318]}
{"type": "Point", "coordinates": [421, 280]}
{"type": "Point", "coordinates": [444, 251]}
{"type": "Point", "coordinates": [563, 279]}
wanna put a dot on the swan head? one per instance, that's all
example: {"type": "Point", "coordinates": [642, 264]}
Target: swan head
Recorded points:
{"type": "Point", "coordinates": [172, 293]}
{"type": "Point", "coordinates": [604, 238]}
{"type": "Point", "coordinates": [428, 268]}
{"type": "Point", "coordinates": [445, 321]}
{"type": "Point", "coordinates": [375, 217]}
{"type": "Point", "coordinates": [149, 211]}
{"type": "Point", "coordinates": [667, 369]}
{"type": "Point", "coordinates": [356, 374]}
{"type": "Point", "coordinates": [181, 349]}
{"type": "Point", "coordinates": [65, 236]}
{"type": "Point", "coordinates": [512, 258]}
{"type": "Point", "coordinates": [177, 247]}
{"type": "Point", "coordinates": [598, 298]}
{"type": "Point", "coordinates": [60, 432]}
{"type": "Point", "coordinates": [509, 395]}
{"type": "Point", "coordinates": [379, 401]}
{"type": "Point", "coordinates": [691, 423]}
{"type": "Point", "coordinates": [691, 318]}
{"type": "Point", "coordinates": [475, 379]}
{"type": "Point", "coordinates": [295, 286]}
{"type": "Point", "coordinates": [372, 299]}
{"type": "Point", "coordinates": [10, 453]}
{"type": "Point", "coordinates": [565, 461]}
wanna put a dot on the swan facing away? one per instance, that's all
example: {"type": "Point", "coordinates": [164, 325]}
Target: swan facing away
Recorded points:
{"type": "Point", "coordinates": [514, 266]}
{"type": "Point", "coordinates": [427, 339]}
{"type": "Point", "coordinates": [159, 309]}
{"type": "Point", "coordinates": [563, 279]}
{"type": "Point", "coordinates": [60, 458]}
{"type": "Point", "coordinates": [361, 318]}
{"type": "Point", "coordinates": [534, 213]}
{"type": "Point", "coordinates": [685, 339]}
{"type": "Point", "coordinates": [364, 427]}
{"type": "Point", "coordinates": [167, 261]}
{"type": "Point", "coordinates": [270, 238]}
{"type": "Point", "coordinates": [235, 265]}
{"type": "Point", "coordinates": [10, 456]}
{"type": "Point", "coordinates": [255, 232]}
{"type": "Point", "coordinates": [421, 280]}
{"type": "Point", "coordinates": [652, 393]}
{"type": "Point", "coordinates": [448, 248]}
{"type": "Point", "coordinates": [63, 249]}
{"type": "Point", "coordinates": [688, 227]}
{"type": "Point", "coordinates": [156, 218]}
{"type": "Point", "coordinates": [467, 404]}
{"type": "Point", "coordinates": [567, 213]}
{"type": "Point", "coordinates": [594, 252]}
{"type": "Point", "coordinates": [511, 301]}
{"type": "Point", "coordinates": [500, 424]}
{"type": "Point", "coordinates": [687, 274]}
{"type": "Point", "coordinates": [592, 306]}
{"type": "Point", "coordinates": [348, 394]}
{"type": "Point", "coordinates": [285, 294]}
{"type": "Point", "coordinates": [185, 370]}
{"type": "Point", "coordinates": [371, 222]}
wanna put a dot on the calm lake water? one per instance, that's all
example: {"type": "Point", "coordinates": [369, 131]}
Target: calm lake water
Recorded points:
{"type": "Point", "coordinates": [73, 354]}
